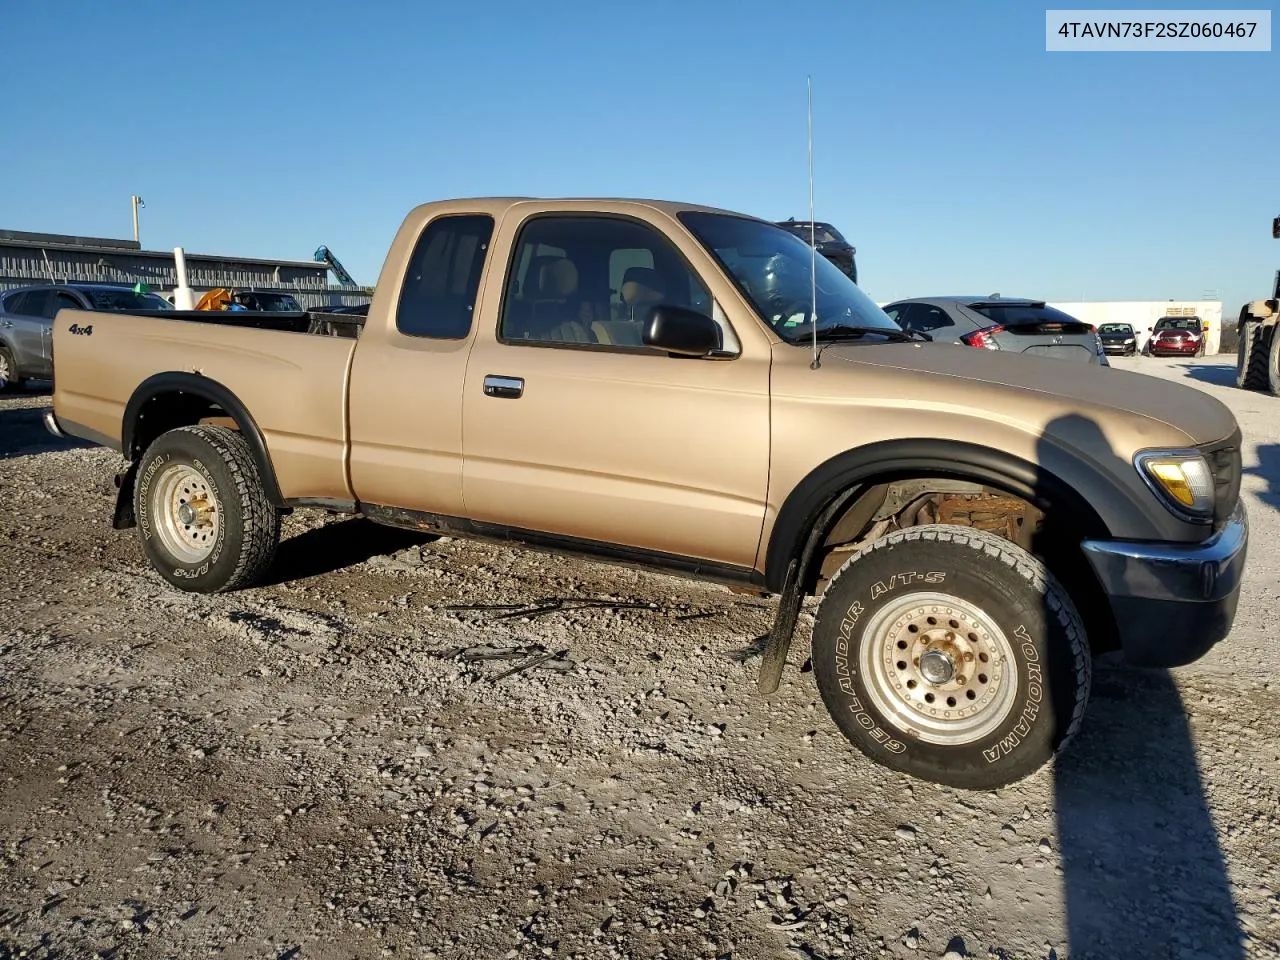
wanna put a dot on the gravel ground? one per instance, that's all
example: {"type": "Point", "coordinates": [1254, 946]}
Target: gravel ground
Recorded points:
{"type": "Point", "coordinates": [339, 765]}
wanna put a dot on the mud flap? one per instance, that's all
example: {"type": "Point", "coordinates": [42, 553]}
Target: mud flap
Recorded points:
{"type": "Point", "coordinates": [778, 642]}
{"type": "Point", "coordinates": [794, 588]}
{"type": "Point", "coordinates": [124, 518]}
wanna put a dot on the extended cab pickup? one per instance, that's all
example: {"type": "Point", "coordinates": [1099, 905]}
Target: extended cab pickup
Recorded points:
{"type": "Point", "coordinates": [642, 382]}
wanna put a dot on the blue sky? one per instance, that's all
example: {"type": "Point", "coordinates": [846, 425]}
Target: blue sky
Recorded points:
{"type": "Point", "coordinates": [953, 150]}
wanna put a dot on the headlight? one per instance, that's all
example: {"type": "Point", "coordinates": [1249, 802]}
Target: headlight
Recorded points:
{"type": "Point", "coordinates": [1182, 478]}
{"type": "Point", "coordinates": [1130, 340]}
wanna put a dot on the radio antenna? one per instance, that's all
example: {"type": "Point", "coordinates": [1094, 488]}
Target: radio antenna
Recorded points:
{"type": "Point", "coordinates": [813, 242]}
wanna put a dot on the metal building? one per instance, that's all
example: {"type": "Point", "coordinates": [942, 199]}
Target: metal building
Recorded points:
{"type": "Point", "coordinates": [46, 257]}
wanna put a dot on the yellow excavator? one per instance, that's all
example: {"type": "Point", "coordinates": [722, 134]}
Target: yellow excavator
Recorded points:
{"type": "Point", "coordinates": [1257, 346]}
{"type": "Point", "coordinates": [219, 298]}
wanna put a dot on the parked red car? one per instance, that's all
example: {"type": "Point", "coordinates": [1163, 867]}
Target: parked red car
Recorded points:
{"type": "Point", "coordinates": [1177, 337]}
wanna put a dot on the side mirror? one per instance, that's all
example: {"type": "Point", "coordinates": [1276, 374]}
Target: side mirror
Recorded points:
{"type": "Point", "coordinates": [681, 331]}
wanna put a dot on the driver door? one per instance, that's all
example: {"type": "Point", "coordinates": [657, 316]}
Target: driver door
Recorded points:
{"type": "Point", "coordinates": [572, 428]}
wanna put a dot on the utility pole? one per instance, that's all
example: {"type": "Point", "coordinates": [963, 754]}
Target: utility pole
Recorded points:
{"type": "Point", "coordinates": [137, 202]}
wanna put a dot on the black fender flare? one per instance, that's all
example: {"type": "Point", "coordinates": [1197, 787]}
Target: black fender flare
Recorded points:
{"type": "Point", "coordinates": [203, 387]}
{"type": "Point", "coordinates": [889, 460]}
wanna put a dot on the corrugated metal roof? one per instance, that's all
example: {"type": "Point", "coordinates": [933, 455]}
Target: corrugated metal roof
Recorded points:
{"type": "Point", "coordinates": [53, 241]}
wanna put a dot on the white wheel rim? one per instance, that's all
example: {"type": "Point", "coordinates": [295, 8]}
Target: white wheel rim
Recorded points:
{"type": "Point", "coordinates": [6, 374]}
{"type": "Point", "coordinates": [964, 708]}
{"type": "Point", "coordinates": [186, 512]}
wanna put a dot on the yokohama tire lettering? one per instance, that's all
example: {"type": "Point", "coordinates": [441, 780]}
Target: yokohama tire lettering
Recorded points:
{"type": "Point", "coordinates": [1030, 706]}
{"type": "Point", "coordinates": [144, 488]}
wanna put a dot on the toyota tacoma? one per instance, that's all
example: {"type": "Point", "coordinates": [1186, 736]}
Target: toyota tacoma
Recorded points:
{"type": "Point", "coordinates": [668, 386]}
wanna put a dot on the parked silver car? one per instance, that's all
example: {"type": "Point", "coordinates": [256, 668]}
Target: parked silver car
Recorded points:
{"type": "Point", "coordinates": [1001, 323]}
{"type": "Point", "coordinates": [26, 322]}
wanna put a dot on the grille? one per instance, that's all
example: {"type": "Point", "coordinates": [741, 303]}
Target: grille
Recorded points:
{"type": "Point", "coordinates": [1224, 462]}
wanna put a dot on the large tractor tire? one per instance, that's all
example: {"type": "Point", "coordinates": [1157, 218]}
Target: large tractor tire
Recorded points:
{"type": "Point", "coordinates": [1254, 362]}
{"type": "Point", "coordinates": [1273, 362]}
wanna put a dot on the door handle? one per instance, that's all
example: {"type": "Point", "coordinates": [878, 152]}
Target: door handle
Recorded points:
{"type": "Point", "coordinates": [6, 323]}
{"type": "Point", "coordinates": [506, 388]}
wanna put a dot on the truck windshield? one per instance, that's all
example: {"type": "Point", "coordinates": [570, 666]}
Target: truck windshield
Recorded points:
{"type": "Point", "coordinates": [822, 232]}
{"type": "Point", "coordinates": [126, 300]}
{"type": "Point", "coordinates": [1169, 323]}
{"type": "Point", "coordinates": [272, 302]}
{"type": "Point", "coordinates": [773, 269]}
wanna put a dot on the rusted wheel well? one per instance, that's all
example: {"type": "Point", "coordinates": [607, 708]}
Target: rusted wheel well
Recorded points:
{"type": "Point", "coordinates": [1050, 532]}
{"type": "Point", "coordinates": [168, 411]}
{"type": "Point", "coordinates": [166, 401]}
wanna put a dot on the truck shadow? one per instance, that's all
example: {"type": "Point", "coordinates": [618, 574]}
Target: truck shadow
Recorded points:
{"type": "Point", "coordinates": [1269, 469]}
{"type": "Point", "coordinates": [23, 434]}
{"type": "Point", "coordinates": [336, 546]}
{"type": "Point", "coordinates": [1218, 374]}
{"type": "Point", "coordinates": [1143, 872]}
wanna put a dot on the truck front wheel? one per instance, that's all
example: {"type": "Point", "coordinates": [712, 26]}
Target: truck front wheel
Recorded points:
{"type": "Point", "coordinates": [204, 518]}
{"type": "Point", "coordinates": [953, 655]}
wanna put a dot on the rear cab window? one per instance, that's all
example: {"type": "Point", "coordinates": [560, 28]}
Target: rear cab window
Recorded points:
{"type": "Point", "coordinates": [438, 299]}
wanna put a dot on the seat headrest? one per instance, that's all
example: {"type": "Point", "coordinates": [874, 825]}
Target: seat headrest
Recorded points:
{"type": "Point", "coordinates": [556, 277]}
{"type": "Point", "coordinates": [642, 285]}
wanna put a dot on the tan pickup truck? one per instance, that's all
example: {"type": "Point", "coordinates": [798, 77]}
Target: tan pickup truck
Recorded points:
{"type": "Point", "coordinates": [641, 382]}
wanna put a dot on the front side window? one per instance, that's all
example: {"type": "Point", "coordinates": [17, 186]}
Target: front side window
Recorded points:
{"type": "Point", "coordinates": [593, 280]}
{"type": "Point", "coordinates": [774, 269]}
{"type": "Point", "coordinates": [925, 317]}
{"type": "Point", "coordinates": [438, 299]}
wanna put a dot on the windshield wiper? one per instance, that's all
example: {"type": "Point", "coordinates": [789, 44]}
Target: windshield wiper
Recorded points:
{"type": "Point", "coordinates": [841, 331]}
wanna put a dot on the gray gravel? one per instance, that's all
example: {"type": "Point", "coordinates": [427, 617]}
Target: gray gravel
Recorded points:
{"type": "Point", "coordinates": [404, 747]}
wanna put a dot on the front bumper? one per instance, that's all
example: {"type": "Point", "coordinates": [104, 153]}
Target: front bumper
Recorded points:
{"type": "Point", "coordinates": [1178, 347]}
{"type": "Point", "coordinates": [1172, 602]}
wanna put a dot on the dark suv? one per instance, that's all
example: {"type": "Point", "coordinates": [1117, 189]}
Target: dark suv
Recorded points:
{"type": "Point", "coordinates": [829, 242]}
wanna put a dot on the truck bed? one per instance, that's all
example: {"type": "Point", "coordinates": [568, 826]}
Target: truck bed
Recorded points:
{"type": "Point", "coordinates": [289, 369]}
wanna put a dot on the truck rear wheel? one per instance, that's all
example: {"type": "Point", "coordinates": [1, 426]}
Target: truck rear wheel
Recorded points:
{"type": "Point", "coordinates": [204, 518]}
{"type": "Point", "coordinates": [952, 655]}
{"type": "Point", "coordinates": [1253, 353]}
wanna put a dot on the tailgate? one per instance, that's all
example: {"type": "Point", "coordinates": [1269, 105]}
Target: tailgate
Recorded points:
{"type": "Point", "coordinates": [293, 384]}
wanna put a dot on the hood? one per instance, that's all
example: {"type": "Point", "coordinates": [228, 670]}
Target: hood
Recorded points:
{"type": "Point", "coordinates": [1034, 390]}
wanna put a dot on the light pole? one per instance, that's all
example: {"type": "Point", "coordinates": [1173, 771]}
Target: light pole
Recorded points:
{"type": "Point", "coordinates": [137, 202]}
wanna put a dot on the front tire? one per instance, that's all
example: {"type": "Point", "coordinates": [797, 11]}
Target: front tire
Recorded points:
{"type": "Point", "coordinates": [203, 515]}
{"type": "Point", "coordinates": [952, 655]}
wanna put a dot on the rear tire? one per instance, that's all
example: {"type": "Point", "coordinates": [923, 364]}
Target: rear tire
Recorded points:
{"type": "Point", "coordinates": [1253, 354]}
{"type": "Point", "coordinates": [10, 382]}
{"type": "Point", "coordinates": [203, 514]}
{"type": "Point", "coordinates": [952, 655]}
